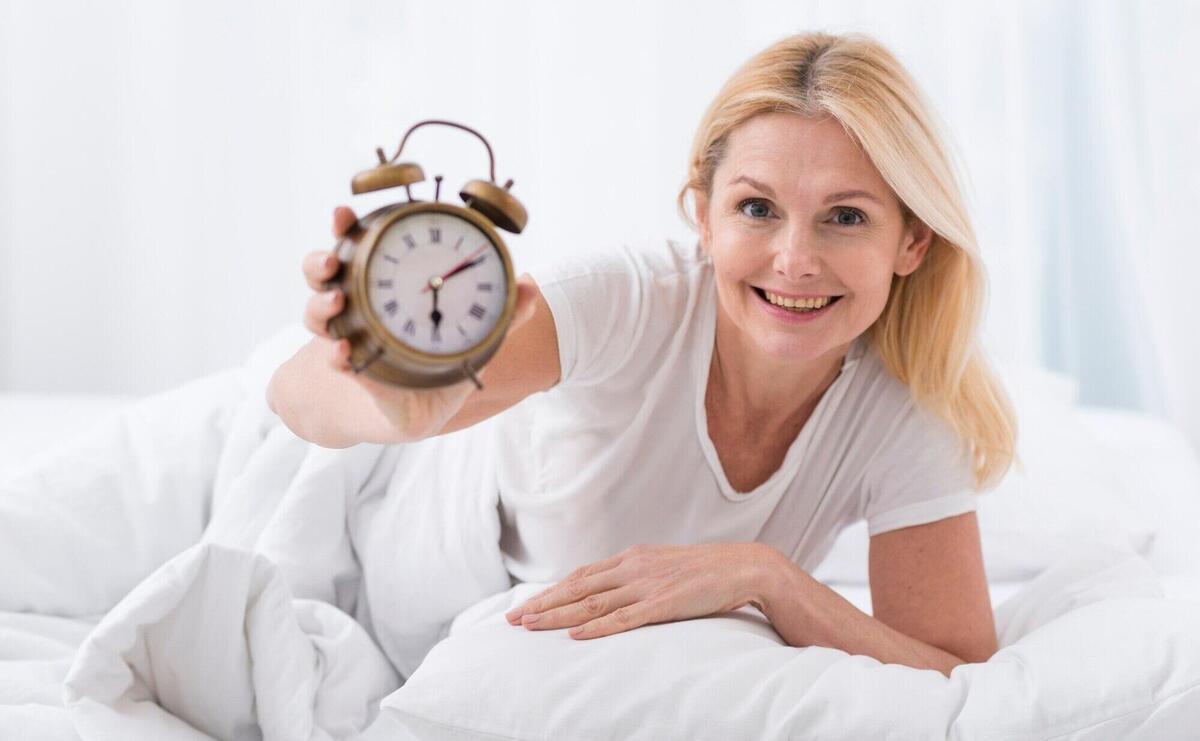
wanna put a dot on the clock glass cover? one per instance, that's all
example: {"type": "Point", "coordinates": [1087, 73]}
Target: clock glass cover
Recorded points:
{"type": "Point", "coordinates": [436, 282]}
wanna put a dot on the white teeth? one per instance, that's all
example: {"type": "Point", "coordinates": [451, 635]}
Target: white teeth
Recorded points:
{"type": "Point", "coordinates": [802, 304]}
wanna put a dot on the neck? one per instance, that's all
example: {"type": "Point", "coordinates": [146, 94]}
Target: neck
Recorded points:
{"type": "Point", "coordinates": [750, 385]}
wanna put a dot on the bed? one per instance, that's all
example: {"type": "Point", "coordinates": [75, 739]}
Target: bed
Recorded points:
{"type": "Point", "coordinates": [182, 567]}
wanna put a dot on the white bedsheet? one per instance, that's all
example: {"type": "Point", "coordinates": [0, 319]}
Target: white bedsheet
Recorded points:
{"type": "Point", "coordinates": [1089, 650]}
{"type": "Point", "coordinates": [240, 581]}
{"type": "Point", "coordinates": [188, 569]}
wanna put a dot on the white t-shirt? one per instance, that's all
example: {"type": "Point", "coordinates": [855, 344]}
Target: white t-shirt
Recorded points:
{"type": "Point", "coordinates": [618, 452]}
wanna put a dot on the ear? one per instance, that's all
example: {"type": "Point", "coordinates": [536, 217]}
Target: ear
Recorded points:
{"type": "Point", "coordinates": [915, 245]}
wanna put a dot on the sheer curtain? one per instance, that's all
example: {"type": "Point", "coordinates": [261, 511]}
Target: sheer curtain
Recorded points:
{"type": "Point", "coordinates": [164, 166]}
{"type": "Point", "coordinates": [1109, 158]}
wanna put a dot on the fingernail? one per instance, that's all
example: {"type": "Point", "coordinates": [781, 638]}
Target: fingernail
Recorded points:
{"type": "Point", "coordinates": [514, 613]}
{"type": "Point", "coordinates": [576, 630]}
{"type": "Point", "coordinates": [331, 297]}
{"type": "Point", "coordinates": [527, 619]}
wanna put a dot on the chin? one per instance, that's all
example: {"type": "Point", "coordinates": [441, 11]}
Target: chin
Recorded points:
{"type": "Point", "coordinates": [800, 345]}
{"type": "Point", "coordinates": [793, 349]}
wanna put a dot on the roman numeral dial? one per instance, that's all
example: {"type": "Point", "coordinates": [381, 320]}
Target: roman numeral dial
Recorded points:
{"type": "Point", "coordinates": [436, 283]}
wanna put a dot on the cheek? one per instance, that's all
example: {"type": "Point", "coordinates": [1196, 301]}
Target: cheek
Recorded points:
{"type": "Point", "coordinates": [870, 284]}
{"type": "Point", "coordinates": [730, 283]}
{"type": "Point", "coordinates": [738, 260]}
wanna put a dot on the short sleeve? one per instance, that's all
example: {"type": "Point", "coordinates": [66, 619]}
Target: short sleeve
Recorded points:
{"type": "Point", "coordinates": [598, 302]}
{"type": "Point", "coordinates": [920, 474]}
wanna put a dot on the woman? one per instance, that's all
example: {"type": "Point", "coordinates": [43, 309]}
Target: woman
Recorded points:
{"type": "Point", "coordinates": [699, 423]}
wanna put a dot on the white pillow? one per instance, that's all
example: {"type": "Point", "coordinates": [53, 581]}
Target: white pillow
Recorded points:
{"type": "Point", "coordinates": [1160, 471]}
{"type": "Point", "coordinates": [1093, 651]}
{"type": "Point", "coordinates": [1067, 488]}
{"type": "Point", "coordinates": [31, 423]}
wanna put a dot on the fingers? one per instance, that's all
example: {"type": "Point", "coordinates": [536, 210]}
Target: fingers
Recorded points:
{"type": "Point", "coordinates": [322, 307]}
{"type": "Point", "coordinates": [343, 219]}
{"type": "Point", "coordinates": [322, 265]}
{"type": "Point", "coordinates": [538, 601]}
{"type": "Point", "coordinates": [339, 356]}
{"type": "Point", "coordinates": [591, 607]}
{"type": "Point", "coordinates": [334, 352]}
{"type": "Point", "coordinates": [319, 267]}
{"type": "Point", "coordinates": [623, 618]}
{"type": "Point", "coordinates": [590, 579]}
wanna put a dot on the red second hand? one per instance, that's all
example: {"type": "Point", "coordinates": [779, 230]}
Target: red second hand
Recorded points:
{"type": "Point", "coordinates": [443, 276]}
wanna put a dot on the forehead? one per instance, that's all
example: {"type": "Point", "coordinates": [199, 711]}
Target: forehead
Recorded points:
{"type": "Point", "coordinates": [791, 150]}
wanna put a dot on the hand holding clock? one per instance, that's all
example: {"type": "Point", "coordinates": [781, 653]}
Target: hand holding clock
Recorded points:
{"type": "Point", "coordinates": [397, 414]}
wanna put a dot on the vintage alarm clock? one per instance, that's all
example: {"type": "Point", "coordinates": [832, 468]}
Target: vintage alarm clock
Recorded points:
{"type": "Point", "coordinates": [429, 286]}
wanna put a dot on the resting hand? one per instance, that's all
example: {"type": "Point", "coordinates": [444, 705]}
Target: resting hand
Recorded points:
{"type": "Point", "coordinates": [648, 584]}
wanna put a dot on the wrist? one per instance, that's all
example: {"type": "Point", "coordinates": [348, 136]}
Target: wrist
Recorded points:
{"type": "Point", "coordinates": [770, 574]}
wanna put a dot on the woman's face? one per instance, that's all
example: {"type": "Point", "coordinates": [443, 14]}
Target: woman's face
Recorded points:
{"type": "Point", "coordinates": [797, 213]}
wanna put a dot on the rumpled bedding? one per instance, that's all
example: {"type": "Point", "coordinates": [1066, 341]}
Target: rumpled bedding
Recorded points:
{"type": "Point", "coordinates": [189, 569]}
{"type": "Point", "coordinates": [1089, 649]}
{"type": "Point", "coordinates": [228, 579]}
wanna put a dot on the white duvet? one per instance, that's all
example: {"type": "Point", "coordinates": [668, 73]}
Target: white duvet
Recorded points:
{"type": "Point", "coordinates": [191, 570]}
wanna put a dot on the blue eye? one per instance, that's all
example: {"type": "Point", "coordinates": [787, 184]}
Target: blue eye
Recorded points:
{"type": "Point", "coordinates": [852, 212]}
{"type": "Point", "coordinates": [762, 211]}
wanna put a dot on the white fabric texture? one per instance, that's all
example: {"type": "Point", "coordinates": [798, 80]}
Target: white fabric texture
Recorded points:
{"type": "Point", "coordinates": [1084, 475]}
{"type": "Point", "coordinates": [1089, 650]}
{"type": "Point", "coordinates": [246, 611]}
{"type": "Point", "coordinates": [619, 452]}
{"type": "Point", "coordinates": [223, 578]}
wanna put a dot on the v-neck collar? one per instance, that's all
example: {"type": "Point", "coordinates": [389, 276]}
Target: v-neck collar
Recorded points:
{"type": "Point", "coordinates": [702, 366]}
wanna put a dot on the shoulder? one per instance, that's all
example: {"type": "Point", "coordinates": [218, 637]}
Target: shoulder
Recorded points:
{"type": "Point", "coordinates": [650, 260]}
{"type": "Point", "coordinates": [880, 397]}
{"type": "Point", "coordinates": [916, 467]}
{"type": "Point", "coordinates": [614, 303]}
{"type": "Point", "coordinates": [892, 429]}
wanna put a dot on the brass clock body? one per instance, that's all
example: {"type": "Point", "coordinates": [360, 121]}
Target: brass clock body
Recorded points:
{"type": "Point", "coordinates": [395, 267]}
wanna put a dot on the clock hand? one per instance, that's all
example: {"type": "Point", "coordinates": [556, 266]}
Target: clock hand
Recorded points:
{"type": "Point", "coordinates": [461, 268]}
{"type": "Point", "coordinates": [435, 316]}
{"type": "Point", "coordinates": [470, 261]}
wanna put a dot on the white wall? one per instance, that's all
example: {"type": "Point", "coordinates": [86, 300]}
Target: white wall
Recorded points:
{"type": "Point", "coordinates": [165, 166]}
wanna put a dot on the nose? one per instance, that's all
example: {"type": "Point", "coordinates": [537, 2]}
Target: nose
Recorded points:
{"type": "Point", "coordinates": [798, 258]}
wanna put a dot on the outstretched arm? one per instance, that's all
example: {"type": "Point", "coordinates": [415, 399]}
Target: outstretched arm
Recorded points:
{"type": "Point", "coordinates": [322, 400]}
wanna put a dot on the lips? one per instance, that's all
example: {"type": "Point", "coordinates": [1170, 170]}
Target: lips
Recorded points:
{"type": "Point", "coordinates": [762, 295]}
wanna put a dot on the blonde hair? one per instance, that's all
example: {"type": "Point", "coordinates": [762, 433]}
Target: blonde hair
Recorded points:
{"type": "Point", "coordinates": [927, 333]}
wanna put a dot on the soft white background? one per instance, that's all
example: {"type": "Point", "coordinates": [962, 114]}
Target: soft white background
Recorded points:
{"type": "Point", "coordinates": [165, 165]}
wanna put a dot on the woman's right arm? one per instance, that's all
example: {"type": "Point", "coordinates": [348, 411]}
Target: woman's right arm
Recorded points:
{"type": "Point", "coordinates": [322, 400]}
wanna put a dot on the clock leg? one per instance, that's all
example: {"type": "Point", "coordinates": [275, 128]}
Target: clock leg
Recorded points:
{"type": "Point", "coordinates": [470, 372]}
{"type": "Point", "coordinates": [366, 363]}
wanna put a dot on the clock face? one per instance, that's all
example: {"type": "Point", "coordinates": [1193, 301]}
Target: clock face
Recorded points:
{"type": "Point", "coordinates": [436, 282]}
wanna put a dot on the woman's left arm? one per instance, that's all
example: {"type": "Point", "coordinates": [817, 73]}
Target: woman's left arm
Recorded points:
{"type": "Point", "coordinates": [929, 597]}
{"type": "Point", "coordinates": [928, 592]}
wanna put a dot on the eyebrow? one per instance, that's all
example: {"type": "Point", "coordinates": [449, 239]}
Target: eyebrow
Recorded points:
{"type": "Point", "coordinates": [839, 196]}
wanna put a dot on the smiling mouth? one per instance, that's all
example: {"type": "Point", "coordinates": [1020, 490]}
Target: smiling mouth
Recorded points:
{"type": "Point", "coordinates": [802, 306]}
